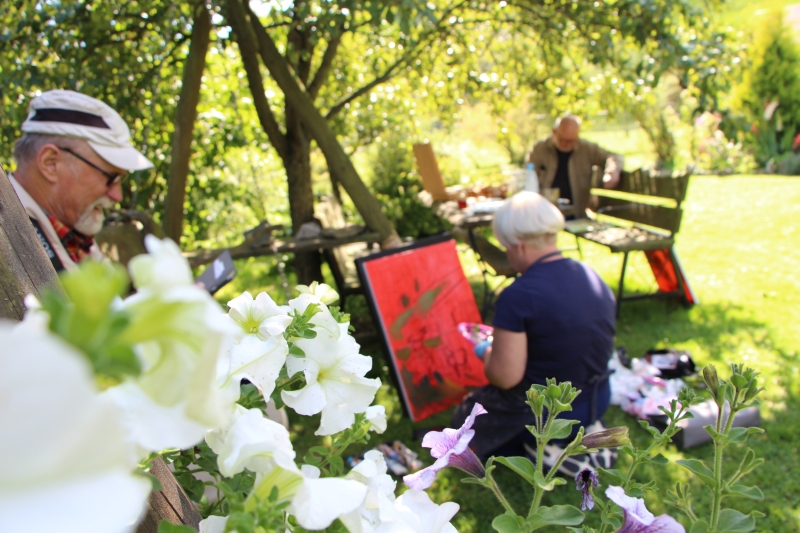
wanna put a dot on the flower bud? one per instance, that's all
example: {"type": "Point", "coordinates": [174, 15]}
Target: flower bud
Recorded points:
{"type": "Point", "coordinates": [609, 438]}
{"type": "Point", "coordinates": [711, 379]}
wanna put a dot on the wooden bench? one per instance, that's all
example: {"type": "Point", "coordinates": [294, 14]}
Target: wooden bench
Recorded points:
{"type": "Point", "coordinates": [341, 259]}
{"type": "Point", "coordinates": [645, 217]}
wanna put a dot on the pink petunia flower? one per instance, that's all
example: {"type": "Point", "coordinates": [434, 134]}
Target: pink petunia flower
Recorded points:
{"type": "Point", "coordinates": [637, 518]}
{"type": "Point", "coordinates": [450, 448]}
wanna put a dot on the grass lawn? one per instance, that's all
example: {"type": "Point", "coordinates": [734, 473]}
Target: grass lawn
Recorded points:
{"type": "Point", "coordinates": [740, 245]}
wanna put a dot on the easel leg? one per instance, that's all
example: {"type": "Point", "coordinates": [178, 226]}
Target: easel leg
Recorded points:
{"type": "Point", "coordinates": [621, 282]}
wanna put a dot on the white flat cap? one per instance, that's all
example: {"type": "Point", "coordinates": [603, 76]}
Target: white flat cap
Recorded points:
{"type": "Point", "coordinates": [76, 115]}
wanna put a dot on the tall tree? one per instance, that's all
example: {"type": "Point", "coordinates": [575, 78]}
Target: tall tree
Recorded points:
{"type": "Point", "coordinates": [185, 117]}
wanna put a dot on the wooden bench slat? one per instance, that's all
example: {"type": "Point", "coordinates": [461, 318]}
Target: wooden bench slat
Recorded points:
{"type": "Point", "coordinates": [672, 186]}
{"type": "Point", "coordinates": [657, 216]}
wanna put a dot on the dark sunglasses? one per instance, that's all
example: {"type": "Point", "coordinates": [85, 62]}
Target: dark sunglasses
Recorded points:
{"type": "Point", "coordinates": [113, 177]}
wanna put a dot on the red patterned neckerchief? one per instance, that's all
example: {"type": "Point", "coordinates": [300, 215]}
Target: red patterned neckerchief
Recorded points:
{"type": "Point", "coordinates": [76, 243]}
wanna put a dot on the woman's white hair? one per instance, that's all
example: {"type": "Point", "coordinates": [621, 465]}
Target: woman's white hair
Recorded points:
{"type": "Point", "coordinates": [527, 218]}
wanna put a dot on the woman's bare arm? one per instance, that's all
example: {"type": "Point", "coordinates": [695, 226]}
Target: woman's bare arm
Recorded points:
{"type": "Point", "coordinates": [505, 361]}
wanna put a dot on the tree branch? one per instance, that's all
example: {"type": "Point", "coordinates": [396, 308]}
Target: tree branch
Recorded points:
{"type": "Point", "coordinates": [406, 58]}
{"type": "Point", "coordinates": [325, 66]}
{"type": "Point", "coordinates": [248, 49]}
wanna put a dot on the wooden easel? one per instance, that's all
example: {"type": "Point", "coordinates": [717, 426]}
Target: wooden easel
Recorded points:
{"type": "Point", "coordinates": [25, 269]}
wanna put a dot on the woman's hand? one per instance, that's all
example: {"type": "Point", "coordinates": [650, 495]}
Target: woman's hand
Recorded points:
{"type": "Point", "coordinates": [505, 361]}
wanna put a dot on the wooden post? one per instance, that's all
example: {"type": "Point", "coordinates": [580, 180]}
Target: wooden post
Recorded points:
{"type": "Point", "coordinates": [24, 266]}
{"type": "Point", "coordinates": [25, 269]}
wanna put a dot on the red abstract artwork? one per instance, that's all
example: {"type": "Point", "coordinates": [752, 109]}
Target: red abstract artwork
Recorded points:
{"type": "Point", "coordinates": [420, 296]}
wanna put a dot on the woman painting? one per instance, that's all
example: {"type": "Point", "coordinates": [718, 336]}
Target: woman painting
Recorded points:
{"type": "Point", "coordinates": [556, 320]}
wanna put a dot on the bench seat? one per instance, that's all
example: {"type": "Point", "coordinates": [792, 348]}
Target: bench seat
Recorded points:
{"type": "Point", "coordinates": [619, 239]}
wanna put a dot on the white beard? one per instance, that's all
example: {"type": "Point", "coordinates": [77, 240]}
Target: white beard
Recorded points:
{"type": "Point", "coordinates": [91, 220]}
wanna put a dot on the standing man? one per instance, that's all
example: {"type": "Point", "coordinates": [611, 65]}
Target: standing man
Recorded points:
{"type": "Point", "coordinates": [566, 161]}
{"type": "Point", "coordinates": [73, 155]}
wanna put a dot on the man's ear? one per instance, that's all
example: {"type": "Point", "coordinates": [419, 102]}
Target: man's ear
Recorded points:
{"type": "Point", "coordinates": [47, 161]}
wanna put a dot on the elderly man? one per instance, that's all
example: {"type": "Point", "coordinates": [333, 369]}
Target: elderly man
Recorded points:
{"type": "Point", "coordinates": [566, 161]}
{"type": "Point", "coordinates": [73, 155]}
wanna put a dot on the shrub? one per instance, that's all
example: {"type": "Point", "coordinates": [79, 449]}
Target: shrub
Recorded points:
{"type": "Point", "coordinates": [397, 185]}
{"type": "Point", "coordinates": [769, 95]}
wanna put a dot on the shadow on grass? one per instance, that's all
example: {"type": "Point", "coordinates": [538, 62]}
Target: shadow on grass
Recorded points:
{"type": "Point", "coordinates": [713, 333]}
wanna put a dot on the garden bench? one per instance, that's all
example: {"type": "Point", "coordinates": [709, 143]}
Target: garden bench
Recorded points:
{"type": "Point", "coordinates": [341, 259]}
{"type": "Point", "coordinates": [646, 217]}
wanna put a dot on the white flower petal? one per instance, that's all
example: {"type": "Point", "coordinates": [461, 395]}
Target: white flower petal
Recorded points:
{"type": "Point", "coordinates": [63, 450]}
{"type": "Point", "coordinates": [321, 501]}
{"type": "Point", "coordinates": [253, 442]}
{"type": "Point", "coordinates": [376, 416]}
{"type": "Point", "coordinates": [213, 524]}
{"type": "Point", "coordinates": [163, 267]}
{"type": "Point", "coordinates": [151, 425]}
{"type": "Point", "coordinates": [103, 503]}
{"type": "Point", "coordinates": [239, 308]}
{"type": "Point", "coordinates": [309, 400]}
{"type": "Point", "coordinates": [258, 361]}
{"type": "Point", "coordinates": [415, 509]}
{"type": "Point", "coordinates": [273, 326]}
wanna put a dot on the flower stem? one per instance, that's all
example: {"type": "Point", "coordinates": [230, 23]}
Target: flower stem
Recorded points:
{"type": "Point", "coordinates": [538, 492]}
{"type": "Point", "coordinates": [492, 484]}
{"type": "Point", "coordinates": [718, 449]}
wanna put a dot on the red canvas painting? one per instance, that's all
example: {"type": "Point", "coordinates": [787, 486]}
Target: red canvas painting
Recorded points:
{"type": "Point", "coordinates": [420, 296]}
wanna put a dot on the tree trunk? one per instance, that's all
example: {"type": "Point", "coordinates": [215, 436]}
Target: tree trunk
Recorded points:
{"type": "Point", "coordinates": [185, 116]}
{"type": "Point", "coordinates": [316, 125]}
{"type": "Point", "coordinates": [308, 265]}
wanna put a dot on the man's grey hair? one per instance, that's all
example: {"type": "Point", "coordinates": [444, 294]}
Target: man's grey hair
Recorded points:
{"type": "Point", "coordinates": [574, 118]}
{"type": "Point", "coordinates": [26, 149]}
{"type": "Point", "coordinates": [527, 218]}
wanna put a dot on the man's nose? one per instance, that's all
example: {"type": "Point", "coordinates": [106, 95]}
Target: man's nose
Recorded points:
{"type": "Point", "coordinates": [115, 192]}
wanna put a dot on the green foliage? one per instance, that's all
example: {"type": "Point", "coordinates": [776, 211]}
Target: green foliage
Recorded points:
{"type": "Point", "coordinates": [168, 527]}
{"type": "Point", "coordinates": [772, 75]}
{"type": "Point", "coordinates": [84, 316]}
{"type": "Point", "coordinates": [397, 185]}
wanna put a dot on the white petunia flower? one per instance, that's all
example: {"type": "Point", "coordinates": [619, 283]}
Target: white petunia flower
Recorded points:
{"type": "Point", "coordinates": [372, 473]}
{"type": "Point", "coordinates": [252, 441]}
{"type": "Point", "coordinates": [322, 292]}
{"type": "Point", "coordinates": [320, 501]}
{"type": "Point", "coordinates": [258, 361]}
{"type": "Point", "coordinates": [315, 502]}
{"type": "Point", "coordinates": [65, 464]}
{"type": "Point", "coordinates": [414, 512]}
{"type": "Point", "coordinates": [335, 382]}
{"type": "Point", "coordinates": [261, 317]}
{"type": "Point", "coordinates": [162, 268]}
{"type": "Point", "coordinates": [376, 416]}
{"type": "Point", "coordinates": [322, 319]}
{"type": "Point", "coordinates": [213, 524]}
{"type": "Point", "coordinates": [179, 332]}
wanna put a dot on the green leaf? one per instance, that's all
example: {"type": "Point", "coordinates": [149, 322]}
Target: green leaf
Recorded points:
{"type": "Point", "coordinates": [699, 469]}
{"type": "Point", "coordinates": [701, 526]}
{"type": "Point", "coordinates": [542, 483]}
{"type": "Point", "coordinates": [739, 435]}
{"type": "Point", "coordinates": [754, 493]}
{"type": "Point", "coordinates": [558, 515]}
{"type": "Point", "coordinates": [560, 429]}
{"type": "Point", "coordinates": [167, 527]}
{"type": "Point", "coordinates": [732, 521]}
{"type": "Point", "coordinates": [611, 476]}
{"type": "Point", "coordinates": [509, 523]}
{"type": "Point", "coordinates": [653, 431]}
{"type": "Point", "coordinates": [521, 465]}
{"type": "Point", "coordinates": [657, 459]}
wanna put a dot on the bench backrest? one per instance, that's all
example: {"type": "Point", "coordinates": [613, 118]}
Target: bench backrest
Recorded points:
{"type": "Point", "coordinates": [657, 200]}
